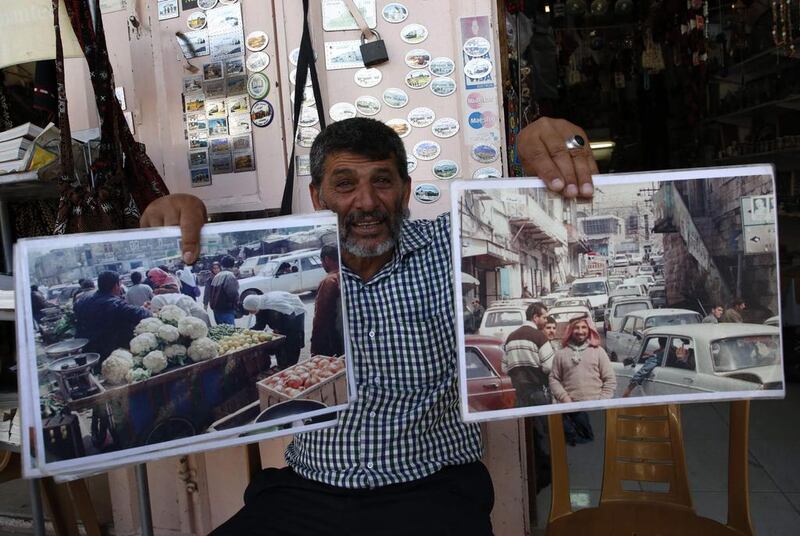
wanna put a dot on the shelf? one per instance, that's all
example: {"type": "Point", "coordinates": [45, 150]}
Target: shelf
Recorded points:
{"type": "Point", "coordinates": [785, 158]}
{"type": "Point", "coordinates": [742, 115]}
{"type": "Point", "coordinates": [28, 183]}
{"type": "Point", "coordinates": [758, 65]}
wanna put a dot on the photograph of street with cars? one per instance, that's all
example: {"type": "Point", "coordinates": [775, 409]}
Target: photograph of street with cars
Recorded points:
{"type": "Point", "coordinates": [131, 351]}
{"type": "Point", "coordinates": [661, 289]}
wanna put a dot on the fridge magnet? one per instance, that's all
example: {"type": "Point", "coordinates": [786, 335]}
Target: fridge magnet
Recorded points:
{"type": "Point", "coordinates": [343, 55]}
{"type": "Point", "coordinates": [477, 68]}
{"type": "Point", "coordinates": [487, 173]}
{"type": "Point", "coordinates": [258, 85]}
{"type": "Point", "coordinates": [214, 89]}
{"type": "Point", "coordinates": [257, 62]}
{"type": "Point", "coordinates": [186, 5]}
{"type": "Point", "coordinates": [256, 41]}
{"type": "Point", "coordinates": [368, 105]}
{"type": "Point", "coordinates": [218, 126]}
{"type": "Point", "coordinates": [168, 9]}
{"type": "Point", "coordinates": [212, 71]}
{"type": "Point", "coordinates": [225, 20]}
{"type": "Point", "coordinates": [242, 143]}
{"type": "Point", "coordinates": [239, 124]}
{"type": "Point", "coordinates": [198, 158]}
{"type": "Point", "coordinates": [194, 44]}
{"type": "Point", "coordinates": [427, 150]}
{"type": "Point", "coordinates": [418, 79]}
{"type": "Point", "coordinates": [414, 33]}
{"type": "Point", "coordinates": [302, 164]}
{"type": "Point", "coordinates": [368, 77]}
{"type": "Point", "coordinates": [476, 47]}
{"type": "Point", "coordinates": [443, 86]}
{"type": "Point", "coordinates": [234, 66]}
{"type": "Point", "coordinates": [198, 140]}
{"type": "Point", "coordinates": [427, 193]}
{"type": "Point", "coordinates": [442, 66]}
{"type": "Point", "coordinates": [394, 13]}
{"type": "Point", "coordinates": [227, 44]}
{"type": "Point", "coordinates": [342, 110]}
{"type": "Point", "coordinates": [395, 97]}
{"type": "Point", "coordinates": [308, 97]}
{"type": "Point", "coordinates": [243, 162]}
{"type": "Point", "coordinates": [206, 4]}
{"type": "Point", "coordinates": [237, 105]}
{"type": "Point", "coordinates": [336, 15]}
{"type": "Point", "coordinates": [196, 121]}
{"type": "Point", "coordinates": [216, 108]}
{"type": "Point", "coordinates": [192, 84]}
{"type": "Point", "coordinates": [293, 78]}
{"type": "Point", "coordinates": [401, 126]}
{"type": "Point", "coordinates": [262, 113]}
{"type": "Point", "coordinates": [411, 163]}
{"type": "Point", "coordinates": [485, 153]}
{"type": "Point", "coordinates": [236, 85]}
{"type": "Point", "coordinates": [295, 54]}
{"type": "Point", "coordinates": [445, 127]}
{"type": "Point", "coordinates": [421, 117]}
{"type": "Point", "coordinates": [200, 177]}
{"type": "Point", "coordinates": [221, 164]}
{"type": "Point", "coordinates": [195, 102]}
{"type": "Point", "coordinates": [308, 116]}
{"type": "Point", "coordinates": [306, 136]}
{"type": "Point", "coordinates": [445, 169]}
{"type": "Point", "coordinates": [197, 20]}
{"type": "Point", "coordinates": [220, 146]}
{"type": "Point", "coordinates": [419, 58]}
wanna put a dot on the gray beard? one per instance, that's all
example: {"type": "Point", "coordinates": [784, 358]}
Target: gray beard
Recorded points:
{"type": "Point", "coordinates": [359, 250]}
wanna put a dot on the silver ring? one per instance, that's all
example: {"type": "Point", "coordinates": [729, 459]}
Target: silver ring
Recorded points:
{"type": "Point", "coordinates": [576, 142]}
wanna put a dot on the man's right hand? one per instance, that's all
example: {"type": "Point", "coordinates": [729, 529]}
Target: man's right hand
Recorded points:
{"type": "Point", "coordinates": [184, 210]}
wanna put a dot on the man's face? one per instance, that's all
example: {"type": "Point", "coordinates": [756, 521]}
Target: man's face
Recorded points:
{"type": "Point", "coordinates": [540, 320]}
{"type": "Point", "coordinates": [328, 264]}
{"type": "Point", "coordinates": [117, 290]}
{"type": "Point", "coordinates": [370, 199]}
{"type": "Point", "coordinates": [580, 332]}
{"type": "Point", "coordinates": [550, 331]}
{"type": "Point", "coordinates": [741, 307]}
{"type": "Point", "coordinates": [717, 312]}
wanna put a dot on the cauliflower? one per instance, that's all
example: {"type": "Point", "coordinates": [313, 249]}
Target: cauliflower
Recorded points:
{"type": "Point", "coordinates": [136, 375]}
{"type": "Point", "coordinates": [123, 353]}
{"type": "Point", "coordinates": [115, 368]}
{"type": "Point", "coordinates": [192, 327]}
{"type": "Point", "coordinates": [168, 333]}
{"type": "Point", "coordinates": [148, 325]}
{"type": "Point", "coordinates": [155, 362]}
{"type": "Point", "coordinates": [174, 352]}
{"type": "Point", "coordinates": [141, 344]}
{"type": "Point", "coordinates": [171, 314]}
{"type": "Point", "coordinates": [187, 304]}
{"type": "Point", "coordinates": [203, 349]}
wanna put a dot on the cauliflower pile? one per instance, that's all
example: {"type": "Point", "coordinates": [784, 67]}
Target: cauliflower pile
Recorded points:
{"type": "Point", "coordinates": [144, 343]}
{"type": "Point", "coordinates": [171, 314]}
{"type": "Point", "coordinates": [154, 362]}
{"type": "Point", "coordinates": [168, 333]}
{"type": "Point", "coordinates": [116, 367]}
{"type": "Point", "coordinates": [148, 325]}
{"type": "Point", "coordinates": [192, 327]}
{"type": "Point", "coordinates": [202, 349]}
{"type": "Point", "coordinates": [136, 375]}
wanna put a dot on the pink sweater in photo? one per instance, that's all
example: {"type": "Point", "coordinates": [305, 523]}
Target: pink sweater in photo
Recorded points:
{"type": "Point", "coordinates": [591, 378]}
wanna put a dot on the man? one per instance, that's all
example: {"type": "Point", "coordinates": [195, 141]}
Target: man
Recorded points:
{"type": "Point", "coordinates": [651, 361]}
{"type": "Point", "coordinates": [38, 303]}
{"type": "Point", "coordinates": [528, 358]}
{"type": "Point", "coordinates": [223, 297]}
{"type": "Point", "coordinates": [550, 326]}
{"type": "Point", "coordinates": [139, 293]}
{"type": "Point", "coordinates": [326, 328]}
{"type": "Point", "coordinates": [401, 460]}
{"type": "Point", "coordinates": [86, 289]}
{"type": "Point", "coordinates": [715, 314]}
{"type": "Point", "coordinates": [105, 318]}
{"type": "Point", "coordinates": [581, 369]}
{"type": "Point", "coordinates": [733, 314]}
{"type": "Point", "coordinates": [477, 311]}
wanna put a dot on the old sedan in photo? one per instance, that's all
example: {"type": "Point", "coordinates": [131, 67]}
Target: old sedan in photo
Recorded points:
{"type": "Point", "coordinates": [488, 387]}
{"type": "Point", "coordinates": [625, 343]}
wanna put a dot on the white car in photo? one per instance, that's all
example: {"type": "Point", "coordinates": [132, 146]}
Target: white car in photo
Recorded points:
{"type": "Point", "coordinates": [697, 359]}
{"type": "Point", "coordinates": [294, 272]}
{"type": "Point", "coordinates": [625, 343]}
{"type": "Point", "coordinates": [619, 307]}
{"type": "Point", "coordinates": [500, 320]}
{"type": "Point", "coordinates": [595, 289]}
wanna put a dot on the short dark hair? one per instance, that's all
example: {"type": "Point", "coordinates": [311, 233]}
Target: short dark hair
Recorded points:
{"type": "Point", "coordinates": [227, 261]}
{"type": "Point", "coordinates": [535, 309]}
{"type": "Point", "coordinates": [736, 301]}
{"type": "Point", "coordinates": [106, 281]}
{"type": "Point", "coordinates": [86, 284]}
{"type": "Point", "coordinates": [717, 305]}
{"type": "Point", "coordinates": [329, 251]}
{"type": "Point", "coordinates": [136, 277]}
{"type": "Point", "coordinates": [358, 135]}
{"type": "Point", "coordinates": [551, 319]}
{"type": "Point", "coordinates": [34, 288]}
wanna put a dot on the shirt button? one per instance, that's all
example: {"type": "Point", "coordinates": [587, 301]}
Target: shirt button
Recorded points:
{"type": "Point", "coordinates": [370, 465]}
{"type": "Point", "coordinates": [372, 414]}
{"type": "Point", "coordinates": [377, 379]}
{"type": "Point", "coordinates": [372, 334]}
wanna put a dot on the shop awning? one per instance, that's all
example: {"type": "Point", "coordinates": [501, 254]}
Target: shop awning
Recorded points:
{"type": "Point", "coordinates": [467, 279]}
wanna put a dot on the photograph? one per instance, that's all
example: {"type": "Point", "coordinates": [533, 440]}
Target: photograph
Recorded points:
{"type": "Point", "coordinates": [234, 66]}
{"type": "Point", "coordinates": [226, 45]}
{"type": "Point", "coordinates": [343, 55]}
{"type": "Point", "coordinates": [224, 19]}
{"type": "Point", "coordinates": [214, 89]}
{"type": "Point", "coordinates": [167, 9]}
{"type": "Point", "coordinates": [195, 102]}
{"type": "Point", "coordinates": [220, 146]}
{"type": "Point", "coordinates": [336, 15]}
{"type": "Point", "coordinates": [194, 44]}
{"type": "Point", "coordinates": [196, 121]}
{"type": "Point", "coordinates": [198, 159]}
{"type": "Point", "coordinates": [200, 177]}
{"type": "Point", "coordinates": [193, 84]}
{"type": "Point", "coordinates": [635, 298]}
{"type": "Point", "coordinates": [242, 143]}
{"type": "Point", "coordinates": [198, 140]}
{"type": "Point", "coordinates": [762, 209]}
{"type": "Point", "coordinates": [243, 162]}
{"type": "Point", "coordinates": [212, 71]}
{"type": "Point", "coordinates": [221, 164]}
{"type": "Point", "coordinates": [236, 85]}
{"type": "Point", "coordinates": [216, 108]}
{"type": "Point", "coordinates": [239, 124]}
{"type": "Point", "coordinates": [218, 126]}
{"type": "Point", "coordinates": [138, 357]}
{"type": "Point", "coordinates": [237, 104]}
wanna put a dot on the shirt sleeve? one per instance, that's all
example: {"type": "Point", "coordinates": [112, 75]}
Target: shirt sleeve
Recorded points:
{"type": "Point", "coordinates": [324, 316]}
{"type": "Point", "coordinates": [556, 387]}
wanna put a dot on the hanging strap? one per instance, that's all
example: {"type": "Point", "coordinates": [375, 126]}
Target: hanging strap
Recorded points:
{"type": "Point", "coordinates": [305, 63]}
{"type": "Point", "coordinates": [359, 18]}
{"type": "Point", "coordinates": [67, 162]}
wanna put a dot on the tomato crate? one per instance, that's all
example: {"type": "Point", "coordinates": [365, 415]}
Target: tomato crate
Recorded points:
{"type": "Point", "coordinates": [331, 391]}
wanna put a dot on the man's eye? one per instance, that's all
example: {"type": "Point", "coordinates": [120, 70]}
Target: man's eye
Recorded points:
{"type": "Point", "coordinates": [383, 180]}
{"type": "Point", "coordinates": [344, 185]}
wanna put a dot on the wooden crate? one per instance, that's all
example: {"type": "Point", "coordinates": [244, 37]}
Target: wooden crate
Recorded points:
{"type": "Point", "coordinates": [330, 391]}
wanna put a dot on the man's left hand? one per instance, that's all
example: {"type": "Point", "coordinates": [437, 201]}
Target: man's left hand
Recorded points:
{"type": "Point", "coordinates": [179, 209]}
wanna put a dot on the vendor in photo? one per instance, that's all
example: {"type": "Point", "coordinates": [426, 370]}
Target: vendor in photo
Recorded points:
{"type": "Point", "coordinates": [285, 314]}
{"type": "Point", "coordinates": [163, 282]}
{"type": "Point", "coordinates": [189, 305]}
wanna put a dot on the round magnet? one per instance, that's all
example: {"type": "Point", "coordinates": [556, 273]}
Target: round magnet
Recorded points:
{"type": "Point", "coordinates": [395, 97]}
{"type": "Point", "coordinates": [478, 68]}
{"type": "Point", "coordinates": [487, 173]}
{"type": "Point", "coordinates": [421, 117]}
{"type": "Point", "coordinates": [293, 78]}
{"type": "Point", "coordinates": [445, 127]}
{"type": "Point", "coordinates": [419, 58]}
{"type": "Point", "coordinates": [342, 110]}
{"type": "Point", "coordinates": [257, 62]}
{"type": "Point", "coordinates": [427, 193]}
{"type": "Point", "coordinates": [485, 153]}
{"type": "Point", "coordinates": [411, 163]}
{"type": "Point", "coordinates": [414, 33]}
{"type": "Point", "coordinates": [206, 4]}
{"type": "Point", "coordinates": [197, 20]}
{"type": "Point", "coordinates": [368, 105]}
{"type": "Point", "coordinates": [442, 66]}
{"type": "Point", "coordinates": [401, 126]}
{"type": "Point", "coordinates": [427, 150]}
{"type": "Point", "coordinates": [418, 79]}
{"type": "Point", "coordinates": [256, 41]}
{"type": "Point", "coordinates": [308, 97]}
{"type": "Point", "coordinates": [258, 85]}
{"type": "Point", "coordinates": [261, 113]}
{"type": "Point", "coordinates": [294, 55]}
{"type": "Point", "coordinates": [308, 116]}
{"type": "Point", "coordinates": [394, 12]}
{"type": "Point", "coordinates": [443, 86]}
{"type": "Point", "coordinates": [445, 169]}
{"type": "Point", "coordinates": [476, 47]}
{"type": "Point", "coordinates": [306, 136]}
{"type": "Point", "coordinates": [368, 77]}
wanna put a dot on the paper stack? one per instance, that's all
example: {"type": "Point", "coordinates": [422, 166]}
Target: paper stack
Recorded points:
{"type": "Point", "coordinates": [16, 147]}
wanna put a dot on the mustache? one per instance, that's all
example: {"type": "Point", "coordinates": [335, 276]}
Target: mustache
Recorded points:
{"type": "Point", "coordinates": [359, 216]}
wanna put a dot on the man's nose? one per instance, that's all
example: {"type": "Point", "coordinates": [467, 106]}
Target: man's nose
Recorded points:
{"type": "Point", "coordinates": [366, 197]}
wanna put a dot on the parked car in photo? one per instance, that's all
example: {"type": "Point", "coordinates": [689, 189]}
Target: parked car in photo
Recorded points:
{"type": "Point", "coordinates": [645, 279]}
{"type": "Point", "coordinates": [501, 319]}
{"type": "Point", "coordinates": [595, 289]}
{"type": "Point", "coordinates": [550, 299]}
{"type": "Point", "coordinates": [630, 289]}
{"type": "Point", "coordinates": [696, 359]}
{"type": "Point", "coordinates": [571, 302]}
{"type": "Point", "coordinates": [624, 343]}
{"type": "Point", "coordinates": [488, 387]}
{"type": "Point", "coordinates": [636, 258]}
{"type": "Point", "coordinates": [252, 265]}
{"type": "Point", "coordinates": [645, 269]}
{"type": "Point", "coordinates": [293, 272]}
{"type": "Point", "coordinates": [619, 306]}
{"type": "Point", "coordinates": [620, 260]}
{"type": "Point", "coordinates": [658, 295]}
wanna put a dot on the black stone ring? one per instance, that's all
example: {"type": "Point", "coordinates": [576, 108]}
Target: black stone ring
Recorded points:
{"type": "Point", "coordinates": [576, 142]}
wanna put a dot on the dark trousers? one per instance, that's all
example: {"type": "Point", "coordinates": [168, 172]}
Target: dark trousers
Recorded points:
{"type": "Point", "coordinates": [455, 501]}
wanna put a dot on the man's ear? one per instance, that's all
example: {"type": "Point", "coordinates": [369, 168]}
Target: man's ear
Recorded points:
{"type": "Point", "coordinates": [316, 197]}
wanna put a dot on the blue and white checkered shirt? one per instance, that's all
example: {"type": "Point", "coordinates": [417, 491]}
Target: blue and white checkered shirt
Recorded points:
{"type": "Point", "coordinates": [406, 422]}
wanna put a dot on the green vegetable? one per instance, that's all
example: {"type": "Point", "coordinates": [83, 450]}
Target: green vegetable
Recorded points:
{"type": "Point", "coordinates": [216, 333]}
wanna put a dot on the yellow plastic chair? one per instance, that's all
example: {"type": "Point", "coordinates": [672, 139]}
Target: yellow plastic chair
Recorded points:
{"type": "Point", "coordinates": [644, 446]}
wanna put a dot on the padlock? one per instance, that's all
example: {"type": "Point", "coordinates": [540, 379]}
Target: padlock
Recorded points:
{"type": "Point", "coordinates": [374, 52]}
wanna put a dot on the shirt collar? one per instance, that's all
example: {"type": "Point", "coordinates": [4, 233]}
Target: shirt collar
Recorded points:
{"type": "Point", "coordinates": [413, 236]}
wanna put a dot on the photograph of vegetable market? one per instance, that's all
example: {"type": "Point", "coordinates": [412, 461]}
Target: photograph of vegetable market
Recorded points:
{"type": "Point", "coordinates": [663, 288]}
{"type": "Point", "coordinates": [130, 351]}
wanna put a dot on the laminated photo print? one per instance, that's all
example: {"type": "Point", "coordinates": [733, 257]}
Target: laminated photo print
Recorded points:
{"type": "Point", "coordinates": [663, 288]}
{"type": "Point", "coordinates": [127, 355]}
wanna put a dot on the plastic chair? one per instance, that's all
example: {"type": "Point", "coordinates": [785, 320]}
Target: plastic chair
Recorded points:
{"type": "Point", "coordinates": [644, 450]}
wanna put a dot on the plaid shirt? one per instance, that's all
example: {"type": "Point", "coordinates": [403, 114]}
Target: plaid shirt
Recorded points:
{"type": "Point", "coordinates": [405, 423]}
